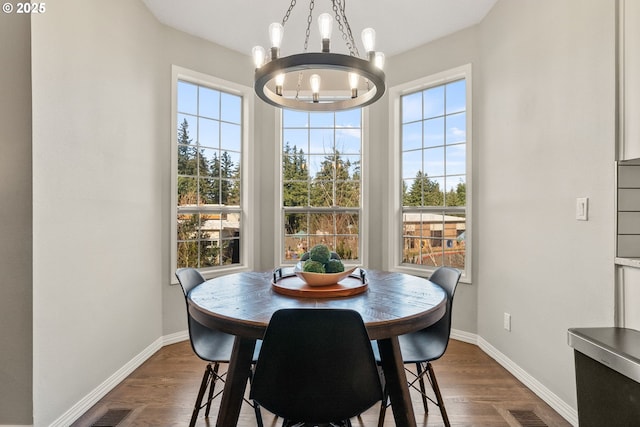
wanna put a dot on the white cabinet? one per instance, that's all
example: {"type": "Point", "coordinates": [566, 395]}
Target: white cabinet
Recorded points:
{"type": "Point", "coordinates": [629, 80]}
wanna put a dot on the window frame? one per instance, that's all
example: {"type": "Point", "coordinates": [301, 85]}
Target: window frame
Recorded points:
{"type": "Point", "coordinates": [364, 193]}
{"type": "Point", "coordinates": [247, 194]}
{"type": "Point", "coordinates": [395, 212]}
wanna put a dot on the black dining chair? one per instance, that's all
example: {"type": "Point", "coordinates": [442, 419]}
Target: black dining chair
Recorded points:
{"type": "Point", "coordinates": [210, 345]}
{"type": "Point", "coordinates": [426, 345]}
{"type": "Point", "coordinates": [316, 367]}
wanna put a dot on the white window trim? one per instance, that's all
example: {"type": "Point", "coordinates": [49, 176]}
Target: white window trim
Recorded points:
{"type": "Point", "coordinates": [394, 261]}
{"type": "Point", "coordinates": [247, 191]}
{"type": "Point", "coordinates": [364, 190]}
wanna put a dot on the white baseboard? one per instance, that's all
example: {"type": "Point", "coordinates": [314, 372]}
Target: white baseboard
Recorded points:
{"type": "Point", "coordinates": [559, 405]}
{"type": "Point", "coordinates": [174, 338]}
{"type": "Point", "coordinates": [77, 410]}
{"type": "Point", "coordinates": [463, 336]}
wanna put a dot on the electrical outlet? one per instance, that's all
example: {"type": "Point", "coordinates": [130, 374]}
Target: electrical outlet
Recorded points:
{"type": "Point", "coordinates": [507, 322]}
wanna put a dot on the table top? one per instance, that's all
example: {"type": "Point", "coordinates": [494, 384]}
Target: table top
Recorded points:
{"type": "Point", "coordinates": [242, 303]}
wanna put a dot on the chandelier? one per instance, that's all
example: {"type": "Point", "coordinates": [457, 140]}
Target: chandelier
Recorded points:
{"type": "Point", "coordinates": [295, 81]}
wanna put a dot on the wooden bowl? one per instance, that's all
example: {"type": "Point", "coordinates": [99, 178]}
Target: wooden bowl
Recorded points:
{"type": "Point", "coordinates": [321, 279]}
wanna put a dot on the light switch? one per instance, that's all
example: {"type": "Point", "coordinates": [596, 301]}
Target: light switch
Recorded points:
{"type": "Point", "coordinates": [582, 208]}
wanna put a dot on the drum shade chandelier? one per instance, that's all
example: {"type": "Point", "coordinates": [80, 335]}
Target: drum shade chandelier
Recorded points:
{"type": "Point", "coordinates": [295, 81]}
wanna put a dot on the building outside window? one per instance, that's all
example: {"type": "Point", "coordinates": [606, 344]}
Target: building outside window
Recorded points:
{"type": "Point", "coordinates": [208, 176]}
{"type": "Point", "coordinates": [434, 147]}
{"type": "Point", "coordinates": [321, 178]}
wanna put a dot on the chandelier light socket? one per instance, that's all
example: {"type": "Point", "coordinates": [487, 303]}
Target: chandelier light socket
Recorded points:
{"type": "Point", "coordinates": [325, 45]}
{"type": "Point", "coordinates": [275, 53]}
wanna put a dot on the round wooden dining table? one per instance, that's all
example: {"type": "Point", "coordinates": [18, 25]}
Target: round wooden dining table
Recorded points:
{"type": "Point", "coordinates": [242, 304]}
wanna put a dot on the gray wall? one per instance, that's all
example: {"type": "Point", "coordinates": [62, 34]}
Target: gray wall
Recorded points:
{"type": "Point", "coordinates": [15, 220]}
{"type": "Point", "coordinates": [546, 136]}
{"type": "Point", "coordinates": [98, 153]}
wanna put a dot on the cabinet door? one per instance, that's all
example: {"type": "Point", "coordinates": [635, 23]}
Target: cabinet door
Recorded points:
{"type": "Point", "coordinates": [630, 79]}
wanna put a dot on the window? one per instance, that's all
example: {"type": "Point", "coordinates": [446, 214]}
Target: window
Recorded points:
{"type": "Point", "coordinates": [209, 173]}
{"type": "Point", "coordinates": [433, 146]}
{"type": "Point", "coordinates": [321, 183]}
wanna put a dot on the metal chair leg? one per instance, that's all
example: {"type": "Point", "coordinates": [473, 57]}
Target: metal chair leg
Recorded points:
{"type": "Point", "coordinates": [383, 408]}
{"type": "Point", "coordinates": [423, 390]}
{"type": "Point", "coordinates": [436, 390]}
{"type": "Point", "coordinates": [203, 387]}
{"type": "Point", "coordinates": [212, 387]}
{"type": "Point", "coordinates": [256, 406]}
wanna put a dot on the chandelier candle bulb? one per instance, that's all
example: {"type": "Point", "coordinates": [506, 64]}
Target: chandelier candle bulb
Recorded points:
{"type": "Point", "coordinates": [325, 24]}
{"type": "Point", "coordinates": [379, 60]}
{"type": "Point", "coordinates": [314, 80]}
{"type": "Point", "coordinates": [353, 84]}
{"type": "Point", "coordinates": [279, 83]}
{"type": "Point", "coordinates": [276, 32]}
{"type": "Point", "coordinates": [369, 42]}
{"type": "Point", "coordinates": [258, 56]}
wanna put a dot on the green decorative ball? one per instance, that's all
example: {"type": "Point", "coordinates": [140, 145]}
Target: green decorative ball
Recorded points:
{"type": "Point", "coordinates": [334, 266]}
{"type": "Point", "coordinates": [311, 266]}
{"type": "Point", "coordinates": [320, 253]}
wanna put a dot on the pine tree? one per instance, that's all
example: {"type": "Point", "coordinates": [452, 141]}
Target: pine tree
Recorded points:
{"type": "Point", "coordinates": [423, 192]}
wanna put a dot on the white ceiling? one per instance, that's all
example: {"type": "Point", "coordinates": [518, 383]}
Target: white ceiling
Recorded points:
{"type": "Point", "coordinates": [241, 24]}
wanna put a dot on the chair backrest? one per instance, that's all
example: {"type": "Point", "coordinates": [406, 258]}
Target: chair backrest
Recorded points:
{"type": "Point", "coordinates": [447, 278]}
{"type": "Point", "coordinates": [189, 278]}
{"type": "Point", "coordinates": [316, 366]}
{"type": "Point", "coordinates": [207, 343]}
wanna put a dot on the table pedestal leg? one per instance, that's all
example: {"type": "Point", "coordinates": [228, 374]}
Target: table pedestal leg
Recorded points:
{"type": "Point", "coordinates": [396, 381]}
{"type": "Point", "coordinates": [236, 382]}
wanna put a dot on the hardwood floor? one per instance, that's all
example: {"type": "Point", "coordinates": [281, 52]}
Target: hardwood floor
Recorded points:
{"type": "Point", "coordinates": [477, 392]}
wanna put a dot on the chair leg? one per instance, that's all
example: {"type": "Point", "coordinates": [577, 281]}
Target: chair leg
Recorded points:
{"type": "Point", "coordinates": [383, 406]}
{"type": "Point", "coordinates": [256, 406]}
{"type": "Point", "coordinates": [423, 390]}
{"type": "Point", "coordinates": [203, 387]}
{"type": "Point", "coordinates": [212, 387]}
{"type": "Point", "coordinates": [436, 390]}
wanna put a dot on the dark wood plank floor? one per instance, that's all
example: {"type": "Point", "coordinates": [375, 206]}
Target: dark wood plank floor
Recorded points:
{"type": "Point", "coordinates": [477, 392]}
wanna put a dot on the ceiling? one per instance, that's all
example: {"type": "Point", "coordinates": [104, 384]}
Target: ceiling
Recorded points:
{"type": "Point", "coordinates": [241, 24]}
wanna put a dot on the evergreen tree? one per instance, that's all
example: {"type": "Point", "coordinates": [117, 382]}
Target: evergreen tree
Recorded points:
{"type": "Point", "coordinates": [423, 192]}
{"type": "Point", "coordinates": [187, 166]}
{"type": "Point", "coordinates": [457, 196]}
{"type": "Point", "coordinates": [295, 191]}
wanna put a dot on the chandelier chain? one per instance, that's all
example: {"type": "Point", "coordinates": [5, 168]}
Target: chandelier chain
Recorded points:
{"type": "Point", "coordinates": [309, 20]}
{"type": "Point", "coordinates": [306, 44]}
{"type": "Point", "coordinates": [347, 36]}
{"type": "Point", "coordinates": [286, 15]}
